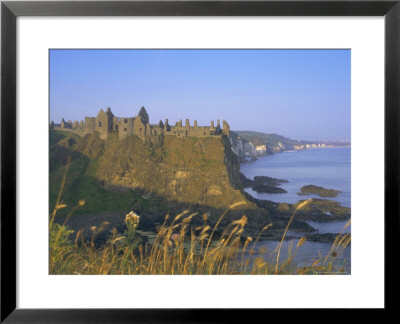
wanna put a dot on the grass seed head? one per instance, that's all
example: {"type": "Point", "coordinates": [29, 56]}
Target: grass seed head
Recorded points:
{"type": "Point", "coordinates": [237, 204]}
{"type": "Point", "coordinates": [301, 241]}
{"type": "Point", "coordinates": [60, 206]}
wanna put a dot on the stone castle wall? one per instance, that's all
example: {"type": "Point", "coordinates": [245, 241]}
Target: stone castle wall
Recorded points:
{"type": "Point", "coordinates": [106, 123]}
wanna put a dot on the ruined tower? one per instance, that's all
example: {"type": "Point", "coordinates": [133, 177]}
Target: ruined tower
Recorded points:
{"type": "Point", "coordinates": [225, 128]}
{"type": "Point", "coordinates": [144, 116]}
{"type": "Point", "coordinates": [104, 122]}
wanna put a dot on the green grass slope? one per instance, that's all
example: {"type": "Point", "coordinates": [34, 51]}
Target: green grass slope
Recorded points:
{"type": "Point", "coordinates": [81, 181]}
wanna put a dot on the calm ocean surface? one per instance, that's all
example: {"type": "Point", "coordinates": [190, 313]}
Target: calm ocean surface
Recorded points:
{"type": "Point", "coordinates": [306, 254]}
{"type": "Point", "coordinates": [329, 168]}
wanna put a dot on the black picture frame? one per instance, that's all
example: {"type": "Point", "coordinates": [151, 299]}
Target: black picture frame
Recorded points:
{"type": "Point", "coordinates": [10, 10]}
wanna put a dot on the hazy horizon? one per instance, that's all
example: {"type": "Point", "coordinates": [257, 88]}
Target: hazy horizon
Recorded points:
{"type": "Point", "coordinates": [299, 94]}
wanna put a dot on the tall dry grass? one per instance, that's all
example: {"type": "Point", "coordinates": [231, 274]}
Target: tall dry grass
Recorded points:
{"type": "Point", "coordinates": [178, 248]}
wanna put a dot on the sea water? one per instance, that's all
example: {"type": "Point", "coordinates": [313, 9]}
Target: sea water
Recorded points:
{"type": "Point", "coordinates": [326, 167]}
{"type": "Point", "coordinates": [306, 255]}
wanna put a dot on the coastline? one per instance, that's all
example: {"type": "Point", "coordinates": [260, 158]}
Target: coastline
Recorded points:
{"type": "Point", "coordinates": [322, 216]}
{"type": "Point", "coordinates": [256, 157]}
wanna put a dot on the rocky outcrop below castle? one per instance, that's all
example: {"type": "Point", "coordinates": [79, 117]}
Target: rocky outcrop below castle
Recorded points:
{"type": "Point", "coordinates": [249, 145]}
{"type": "Point", "coordinates": [187, 170]}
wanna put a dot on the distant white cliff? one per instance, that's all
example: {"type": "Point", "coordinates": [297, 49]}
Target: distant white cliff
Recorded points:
{"type": "Point", "coordinates": [251, 145]}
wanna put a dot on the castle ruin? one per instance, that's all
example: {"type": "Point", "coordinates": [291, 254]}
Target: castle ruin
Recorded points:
{"type": "Point", "coordinates": [106, 123]}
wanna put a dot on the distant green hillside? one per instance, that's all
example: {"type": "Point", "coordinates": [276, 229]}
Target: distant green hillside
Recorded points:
{"type": "Point", "coordinates": [258, 138]}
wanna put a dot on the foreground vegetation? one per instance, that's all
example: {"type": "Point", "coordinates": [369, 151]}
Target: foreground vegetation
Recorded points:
{"type": "Point", "coordinates": [179, 248]}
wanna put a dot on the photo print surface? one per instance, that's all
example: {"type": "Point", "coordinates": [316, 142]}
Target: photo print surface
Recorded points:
{"type": "Point", "coordinates": [200, 162]}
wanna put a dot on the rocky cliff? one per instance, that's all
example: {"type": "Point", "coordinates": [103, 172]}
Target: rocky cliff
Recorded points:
{"type": "Point", "coordinates": [189, 170]}
{"type": "Point", "coordinates": [247, 149]}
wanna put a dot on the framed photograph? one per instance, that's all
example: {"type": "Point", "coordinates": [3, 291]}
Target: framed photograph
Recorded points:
{"type": "Point", "coordinates": [180, 155]}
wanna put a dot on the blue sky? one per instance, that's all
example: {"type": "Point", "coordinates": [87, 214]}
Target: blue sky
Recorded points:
{"type": "Point", "coordinates": [301, 94]}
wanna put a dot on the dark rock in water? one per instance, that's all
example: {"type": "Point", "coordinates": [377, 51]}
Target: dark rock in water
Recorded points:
{"type": "Point", "coordinates": [320, 191]}
{"type": "Point", "coordinates": [263, 184]}
{"type": "Point", "coordinates": [325, 237]}
{"type": "Point", "coordinates": [267, 189]}
{"type": "Point", "coordinates": [269, 181]}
